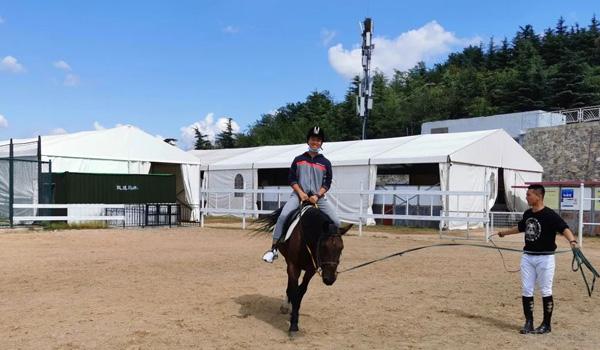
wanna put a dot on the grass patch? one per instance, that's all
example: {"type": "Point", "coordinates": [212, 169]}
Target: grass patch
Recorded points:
{"type": "Point", "coordinates": [66, 226]}
{"type": "Point", "coordinates": [398, 229]}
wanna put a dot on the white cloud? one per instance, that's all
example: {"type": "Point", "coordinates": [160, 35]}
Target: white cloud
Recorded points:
{"type": "Point", "coordinates": [71, 80]}
{"type": "Point", "coordinates": [12, 65]}
{"type": "Point", "coordinates": [208, 126]}
{"type": "Point", "coordinates": [62, 65]}
{"type": "Point", "coordinates": [427, 43]}
{"type": "Point", "coordinates": [58, 131]}
{"type": "Point", "coordinates": [327, 36]}
{"type": "Point", "coordinates": [231, 30]}
{"type": "Point", "coordinates": [3, 122]}
{"type": "Point", "coordinates": [98, 126]}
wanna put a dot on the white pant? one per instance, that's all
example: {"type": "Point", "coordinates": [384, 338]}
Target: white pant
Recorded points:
{"type": "Point", "coordinates": [537, 269]}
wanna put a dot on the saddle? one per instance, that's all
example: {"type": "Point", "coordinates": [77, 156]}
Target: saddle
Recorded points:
{"type": "Point", "coordinates": [292, 221]}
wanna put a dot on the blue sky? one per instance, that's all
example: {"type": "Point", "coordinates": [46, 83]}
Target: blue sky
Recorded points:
{"type": "Point", "coordinates": [166, 66]}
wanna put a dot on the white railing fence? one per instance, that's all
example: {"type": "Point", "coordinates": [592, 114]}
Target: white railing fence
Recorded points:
{"type": "Point", "coordinates": [581, 115]}
{"type": "Point", "coordinates": [211, 198]}
{"type": "Point", "coordinates": [502, 221]}
{"type": "Point", "coordinates": [582, 223]}
{"type": "Point", "coordinates": [75, 212]}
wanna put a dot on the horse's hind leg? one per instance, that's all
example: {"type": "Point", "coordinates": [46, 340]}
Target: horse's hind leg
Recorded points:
{"type": "Point", "coordinates": [292, 293]}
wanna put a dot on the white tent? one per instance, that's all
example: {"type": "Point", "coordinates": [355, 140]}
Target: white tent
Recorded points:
{"type": "Point", "coordinates": [121, 150]}
{"type": "Point", "coordinates": [466, 161]}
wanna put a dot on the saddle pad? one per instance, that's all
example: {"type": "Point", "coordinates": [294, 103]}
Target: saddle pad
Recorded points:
{"type": "Point", "coordinates": [295, 222]}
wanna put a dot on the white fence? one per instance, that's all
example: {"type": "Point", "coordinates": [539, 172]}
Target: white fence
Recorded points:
{"type": "Point", "coordinates": [75, 212]}
{"type": "Point", "coordinates": [503, 220]}
{"type": "Point", "coordinates": [581, 115]}
{"type": "Point", "coordinates": [362, 197]}
{"type": "Point", "coordinates": [581, 211]}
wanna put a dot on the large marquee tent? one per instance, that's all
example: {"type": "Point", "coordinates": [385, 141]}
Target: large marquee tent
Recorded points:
{"type": "Point", "coordinates": [468, 161]}
{"type": "Point", "coordinates": [120, 150]}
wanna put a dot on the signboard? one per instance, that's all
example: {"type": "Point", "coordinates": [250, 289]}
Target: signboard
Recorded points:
{"type": "Point", "coordinates": [552, 198]}
{"type": "Point", "coordinates": [570, 198]}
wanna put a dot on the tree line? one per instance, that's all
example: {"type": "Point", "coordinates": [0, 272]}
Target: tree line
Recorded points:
{"type": "Point", "coordinates": [553, 70]}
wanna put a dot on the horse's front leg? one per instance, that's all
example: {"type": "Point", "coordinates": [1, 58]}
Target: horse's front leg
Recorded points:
{"type": "Point", "coordinates": [297, 299]}
{"type": "Point", "coordinates": [304, 286]}
{"type": "Point", "coordinates": [292, 294]}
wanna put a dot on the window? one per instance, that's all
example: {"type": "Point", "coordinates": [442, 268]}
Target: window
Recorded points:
{"type": "Point", "coordinates": [238, 184]}
{"type": "Point", "coordinates": [439, 130]}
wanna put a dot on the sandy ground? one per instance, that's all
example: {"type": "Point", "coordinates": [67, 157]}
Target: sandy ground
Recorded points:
{"type": "Point", "coordinates": [192, 288]}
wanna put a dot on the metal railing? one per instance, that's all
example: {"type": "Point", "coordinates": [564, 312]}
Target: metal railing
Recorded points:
{"type": "Point", "coordinates": [581, 211]}
{"type": "Point", "coordinates": [121, 215]}
{"type": "Point", "coordinates": [581, 115]}
{"type": "Point", "coordinates": [71, 212]}
{"type": "Point", "coordinates": [500, 220]}
{"type": "Point", "coordinates": [360, 217]}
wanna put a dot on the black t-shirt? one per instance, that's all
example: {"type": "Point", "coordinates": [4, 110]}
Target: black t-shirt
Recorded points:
{"type": "Point", "coordinates": [540, 229]}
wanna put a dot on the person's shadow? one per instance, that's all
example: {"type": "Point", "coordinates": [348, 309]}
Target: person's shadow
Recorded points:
{"type": "Point", "coordinates": [263, 308]}
{"type": "Point", "coordinates": [489, 320]}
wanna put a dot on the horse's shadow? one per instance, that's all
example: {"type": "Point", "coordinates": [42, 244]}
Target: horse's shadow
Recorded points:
{"type": "Point", "coordinates": [263, 308]}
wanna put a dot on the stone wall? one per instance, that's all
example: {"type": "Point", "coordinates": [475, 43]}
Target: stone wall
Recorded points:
{"type": "Point", "coordinates": [567, 152]}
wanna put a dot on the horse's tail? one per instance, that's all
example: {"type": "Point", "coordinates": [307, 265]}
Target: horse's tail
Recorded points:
{"type": "Point", "coordinates": [267, 223]}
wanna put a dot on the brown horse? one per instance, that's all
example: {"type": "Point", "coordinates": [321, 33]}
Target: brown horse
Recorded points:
{"type": "Point", "coordinates": [315, 245]}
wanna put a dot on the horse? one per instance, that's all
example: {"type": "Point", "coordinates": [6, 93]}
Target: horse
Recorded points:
{"type": "Point", "coordinates": [315, 245]}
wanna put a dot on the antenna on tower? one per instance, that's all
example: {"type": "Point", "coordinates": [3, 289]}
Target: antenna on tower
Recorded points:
{"type": "Point", "coordinates": [365, 89]}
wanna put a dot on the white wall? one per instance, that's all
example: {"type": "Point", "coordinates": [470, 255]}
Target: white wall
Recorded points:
{"type": "Point", "coordinates": [515, 124]}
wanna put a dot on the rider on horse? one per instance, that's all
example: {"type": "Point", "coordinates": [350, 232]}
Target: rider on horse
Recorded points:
{"type": "Point", "coordinates": [310, 173]}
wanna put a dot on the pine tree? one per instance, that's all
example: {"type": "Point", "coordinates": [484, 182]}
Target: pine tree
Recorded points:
{"type": "Point", "coordinates": [226, 138]}
{"type": "Point", "coordinates": [202, 141]}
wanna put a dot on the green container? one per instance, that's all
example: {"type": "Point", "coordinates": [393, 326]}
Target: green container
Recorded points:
{"type": "Point", "coordinates": [71, 188]}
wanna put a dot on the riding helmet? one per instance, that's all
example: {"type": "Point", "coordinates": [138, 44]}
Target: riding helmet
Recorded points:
{"type": "Point", "coordinates": [315, 131]}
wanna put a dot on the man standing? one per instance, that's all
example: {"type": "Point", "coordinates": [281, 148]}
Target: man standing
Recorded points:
{"type": "Point", "coordinates": [540, 225]}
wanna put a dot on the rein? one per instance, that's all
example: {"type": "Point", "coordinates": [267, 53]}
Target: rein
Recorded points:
{"type": "Point", "coordinates": [580, 260]}
{"type": "Point", "coordinates": [317, 263]}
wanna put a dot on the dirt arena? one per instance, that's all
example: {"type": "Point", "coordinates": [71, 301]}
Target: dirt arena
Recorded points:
{"type": "Point", "coordinates": [192, 288]}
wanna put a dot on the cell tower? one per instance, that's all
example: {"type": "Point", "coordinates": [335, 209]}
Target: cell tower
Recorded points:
{"type": "Point", "coordinates": [365, 89]}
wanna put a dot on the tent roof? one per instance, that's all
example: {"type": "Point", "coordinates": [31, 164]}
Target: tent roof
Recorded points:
{"type": "Point", "coordinates": [121, 143]}
{"type": "Point", "coordinates": [490, 147]}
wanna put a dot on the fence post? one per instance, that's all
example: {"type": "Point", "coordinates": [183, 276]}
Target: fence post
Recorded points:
{"type": "Point", "coordinates": [580, 228]}
{"type": "Point", "coordinates": [11, 190]}
{"type": "Point", "coordinates": [169, 213]}
{"type": "Point", "coordinates": [487, 236]}
{"type": "Point", "coordinates": [360, 210]}
{"type": "Point", "coordinates": [244, 208]}
{"type": "Point", "coordinates": [202, 204]}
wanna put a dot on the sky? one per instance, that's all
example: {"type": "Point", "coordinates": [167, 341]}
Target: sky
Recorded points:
{"type": "Point", "coordinates": [170, 66]}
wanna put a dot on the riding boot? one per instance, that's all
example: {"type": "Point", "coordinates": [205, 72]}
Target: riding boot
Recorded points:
{"type": "Point", "coordinates": [528, 312]}
{"type": "Point", "coordinates": [545, 327]}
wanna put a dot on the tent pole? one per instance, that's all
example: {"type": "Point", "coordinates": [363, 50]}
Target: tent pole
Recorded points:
{"type": "Point", "coordinates": [11, 190]}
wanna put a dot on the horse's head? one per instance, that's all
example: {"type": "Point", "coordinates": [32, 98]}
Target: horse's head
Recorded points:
{"type": "Point", "coordinates": [326, 243]}
{"type": "Point", "coordinates": [329, 252]}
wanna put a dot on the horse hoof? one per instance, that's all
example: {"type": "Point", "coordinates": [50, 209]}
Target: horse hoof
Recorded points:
{"type": "Point", "coordinates": [293, 329]}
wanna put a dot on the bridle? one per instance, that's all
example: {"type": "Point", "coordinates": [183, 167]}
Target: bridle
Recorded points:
{"type": "Point", "coordinates": [317, 263]}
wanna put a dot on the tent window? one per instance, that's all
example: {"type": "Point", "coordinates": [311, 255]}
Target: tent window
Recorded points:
{"type": "Point", "coordinates": [238, 184]}
{"type": "Point", "coordinates": [492, 186]}
{"type": "Point", "coordinates": [439, 130]}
